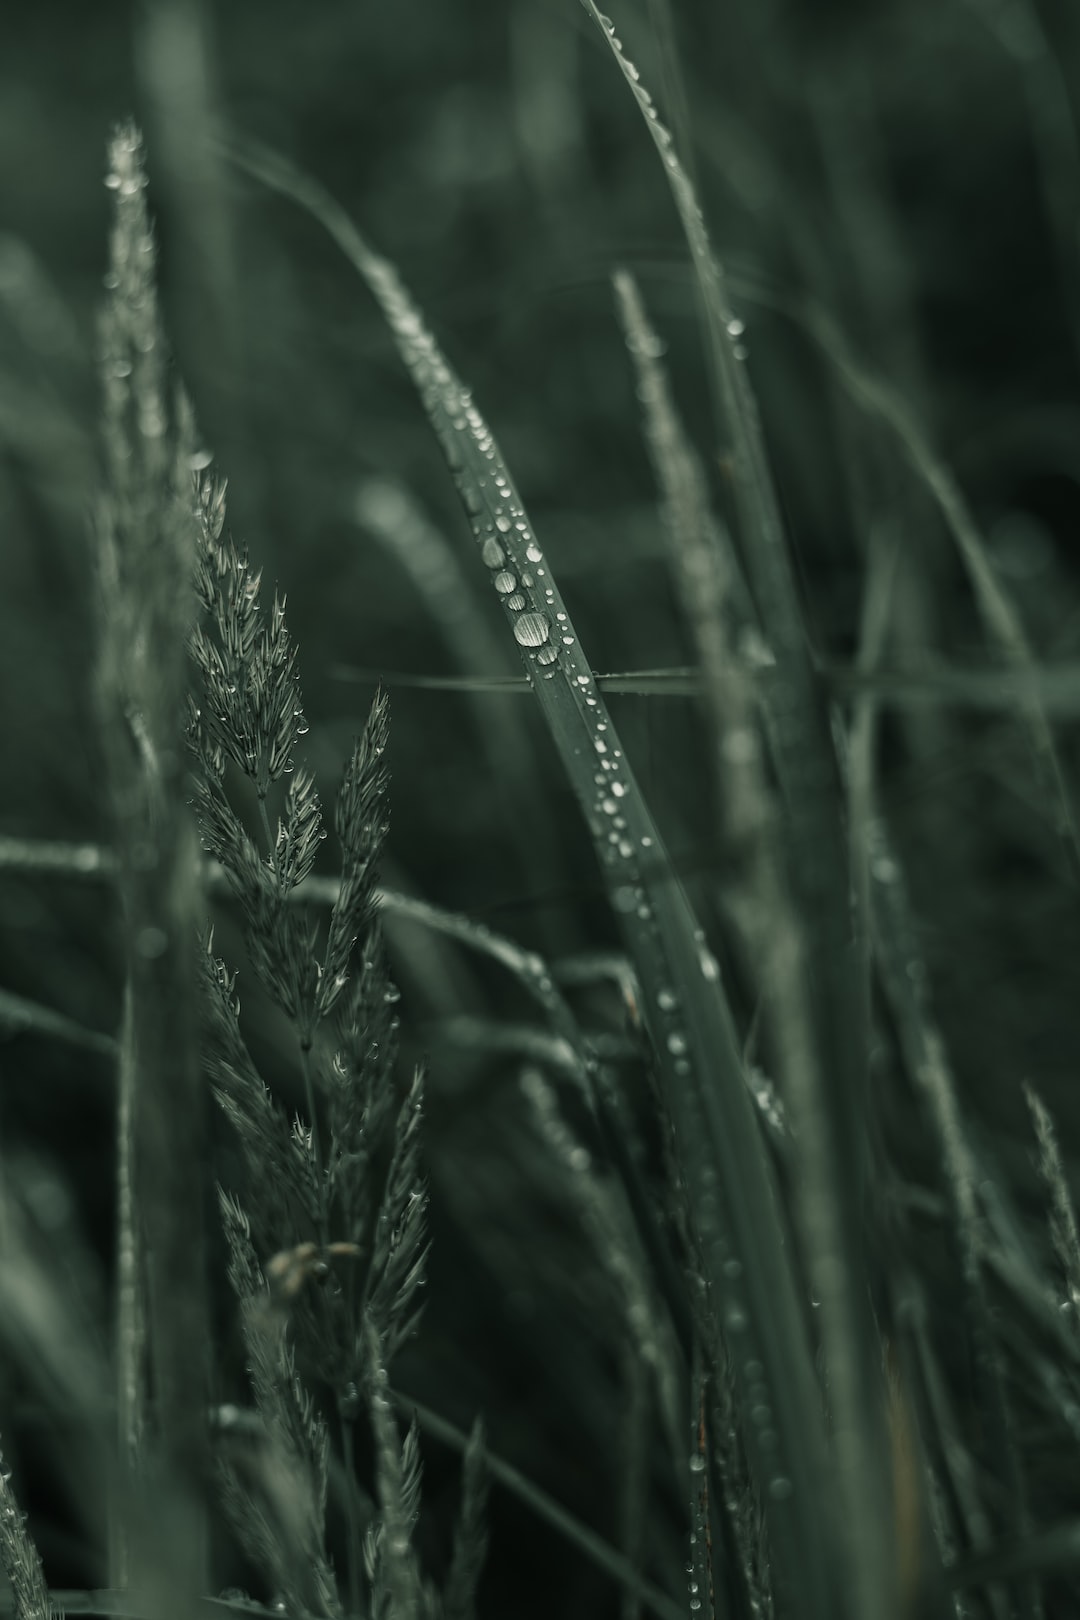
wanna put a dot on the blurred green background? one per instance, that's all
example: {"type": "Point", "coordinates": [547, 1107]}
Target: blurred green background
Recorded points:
{"type": "Point", "coordinates": [912, 169]}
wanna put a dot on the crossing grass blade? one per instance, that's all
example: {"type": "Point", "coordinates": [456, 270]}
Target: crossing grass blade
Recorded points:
{"type": "Point", "coordinates": [727, 1176]}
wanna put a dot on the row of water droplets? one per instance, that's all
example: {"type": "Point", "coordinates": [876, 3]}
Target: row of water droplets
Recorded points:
{"type": "Point", "coordinates": [617, 814]}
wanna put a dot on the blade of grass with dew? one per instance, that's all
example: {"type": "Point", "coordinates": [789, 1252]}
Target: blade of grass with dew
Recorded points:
{"type": "Point", "coordinates": [829, 1094]}
{"type": "Point", "coordinates": [729, 1181]}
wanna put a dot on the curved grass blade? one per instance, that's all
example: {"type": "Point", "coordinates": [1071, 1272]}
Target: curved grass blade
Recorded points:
{"type": "Point", "coordinates": [727, 1175]}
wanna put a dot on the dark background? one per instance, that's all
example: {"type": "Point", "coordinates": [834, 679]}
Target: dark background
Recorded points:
{"type": "Point", "coordinates": [910, 167]}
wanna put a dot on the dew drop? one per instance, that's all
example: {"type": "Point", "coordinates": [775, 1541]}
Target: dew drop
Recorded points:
{"type": "Point", "coordinates": [697, 1463]}
{"type": "Point", "coordinates": [780, 1488]}
{"type": "Point", "coordinates": [666, 999]}
{"type": "Point", "coordinates": [515, 602]}
{"type": "Point", "coordinates": [547, 655]}
{"type": "Point", "coordinates": [505, 582]}
{"type": "Point", "coordinates": [735, 1319]}
{"type": "Point", "coordinates": [532, 630]}
{"type": "Point", "coordinates": [492, 553]}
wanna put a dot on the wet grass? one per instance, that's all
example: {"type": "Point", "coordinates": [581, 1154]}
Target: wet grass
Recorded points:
{"type": "Point", "coordinates": [709, 1179]}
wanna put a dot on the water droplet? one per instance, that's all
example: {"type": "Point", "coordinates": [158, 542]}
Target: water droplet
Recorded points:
{"type": "Point", "coordinates": [502, 523]}
{"type": "Point", "coordinates": [532, 630]}
{"type": "Point", "coordinates": [780, 1488]}
{"type": "Point", "coordinates": [735, 327]}
{"type": "Point", "coordinates": [492, 553]}
{"type": "Point", "coordinates": [676, 1043]}
{"type": "Point", "coordinates": [505, 582]}
{"type": "Point", "coordinates": [666, 999]}
{"type": "Point", "coordinates": [547, 655]}
{"type": "Point", "coordinates": [697, 1464]}
{"type": "Point", "coordinates": [885, 869]}
{"type": "Point", "coordinates": [533, 552]}
{"type": "Point", "coordinates": [515, 602]}
{"type": "Point", "coordinates": [735, 1319]}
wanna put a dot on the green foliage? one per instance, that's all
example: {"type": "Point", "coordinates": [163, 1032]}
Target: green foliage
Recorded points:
{"type": "Point", "coordinates": [715, 1144]}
